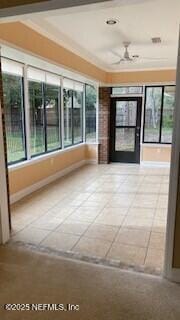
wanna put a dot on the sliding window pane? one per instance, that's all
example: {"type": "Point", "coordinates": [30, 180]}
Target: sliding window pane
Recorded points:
{"type": "Point", "coordinates": [52, 102]}
{"type": "Point", "coordinates": [78, 117]}
{"type": "Point", "coordinates": [127, 90]}
{"type": "Point", "coordinates": [37, 127]}
{"type": "Point", "coordinates": [14, 117]}
{"type": "Point", "coordinates": [91, 100]}
{"type": "Point", "coordinates": [168, 110]}
{"type": "Point", "coordinates": [152, 114]}
{"type": "Point", "coordinates": [68, 95]}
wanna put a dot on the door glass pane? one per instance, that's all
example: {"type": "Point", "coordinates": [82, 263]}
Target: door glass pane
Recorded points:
{"type": "Point", "coordinates": [14, 117]}
{"type": "Point", "coordinates": [125, 139]}
{"type": "Point", "coordinates": [126, 113]}
{"type": "Point", "coordinates": [152, 114]}
{"type": "Point", "coordinates": [68, 94]}
{"type": "Point", "coordinates": [168, 110]}
{"type": "Point", "coordinates": [52, 116]}
{"type": "Point", "coordinates": [36, 118]}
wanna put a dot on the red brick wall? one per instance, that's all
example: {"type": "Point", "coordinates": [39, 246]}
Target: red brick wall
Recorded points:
{"type": "Point", "coordinates": [104, 123]}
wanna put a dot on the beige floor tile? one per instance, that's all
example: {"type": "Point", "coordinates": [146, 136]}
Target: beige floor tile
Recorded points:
{"type": "Point", "coordinates": [147, 213]}
{"type": "Point", "coordinates": [100, 197]}
{"type": "Point", "coordinates": [119, 203]}
{"type": "Point", "coordinates": [154, 258]}
{"type": "Point", "coordinates": [60, 241]}
{"type": "Point", "coordinates": [162, 202]}
{"type": "Point", "coordinates": [136, 237]}
{"type": "Point", "coordinates": [161, 213]}
{"type": "Point", "coordinates": [164, 188]}
{"type": "Point", "coordinates": [157, 240]}
{"type": "Point", "coordinates": [111, 219]}
{"type": "Point", "coordinates": [159, 225]}
{"type": "Point", "coordinates": [110, 197]}
{"type": "Point", "coordinates": [88, 214]}
{"type": "Point", "coordinates": [122, 211]}
{"type": "Point", "coordinates": [127, 254]}
{"type": "Point", "coordinates": [92, 247]}
{"type": "Point", "coordinates": [149, 188]}
{"type": "Point", "coordinates": [138, 223]}
{"type": "Point", "coordinates": [93, 204]}
{"type": "Point", "coordinates": [60, 213]}
{"type": "Point", "coordinates": [152, 179]}
{"type": "Point", "coordinates": [31, 235]}
{"type": "Point", "coordinates": [100, 231]}
{"type": "Point", "coordinates": [127, 188]}
{"type": "Point", "coordinates": [75, 227]}
{"type": "Point", "coordinates": [47, 223]}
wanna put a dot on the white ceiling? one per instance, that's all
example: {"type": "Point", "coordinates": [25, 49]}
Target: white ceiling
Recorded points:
{"type": "Point", "coordinates": [84, 31]}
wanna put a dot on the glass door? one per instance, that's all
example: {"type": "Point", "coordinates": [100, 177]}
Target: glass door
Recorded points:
{"type": "Point", "coordinates": [125, 129]}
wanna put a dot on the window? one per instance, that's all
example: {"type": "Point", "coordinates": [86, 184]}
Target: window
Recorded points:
{"type": "Point", "coordinates": [44, 98]}
{"type": "Point", "coordinates": [127, 90]}
{"type": "Point", "coordinates": [68, 95]}
{"type": "Point", "coordinates": [37, 121]}
{"type": "Point", "coordinates": [158, 117]}
{"type": "Point", "coordinates": [78, 116]}
{"type": "Point", "coordinates": [14, 111]}
{"type": "Point", "coordinates": [73, 112]}
{"type": "Point", "coordinates": [90, 107]}
{"type": "Point", "coordinates": [52, 99]}
{"type": "Point", "coordinates": [168, 110]}
{"type": "Point", "coordinates": [35, 129]}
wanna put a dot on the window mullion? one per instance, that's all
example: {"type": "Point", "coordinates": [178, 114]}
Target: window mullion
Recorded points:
{"type": "Point", "coordinates": [61, 113]}
{"type": "Point", "coordinates": [27, 115]}
{"type": "Point", "coordinates": [45, 119]}
{"type": "Point", "coordinates": [72, 116]}
{"type": "Point", "coordinates": [161, 114]}
{"type": "Point", "coordinates": [84, 114]}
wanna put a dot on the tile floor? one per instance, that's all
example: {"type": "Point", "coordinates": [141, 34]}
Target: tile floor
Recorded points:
{"type": "Point", "coordinates": [113, 211]}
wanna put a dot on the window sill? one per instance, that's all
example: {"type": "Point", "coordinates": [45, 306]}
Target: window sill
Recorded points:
{"type": "Point", "coordinates": [157, 145]}
{"type": "Point", "coordinates": [42, 157]}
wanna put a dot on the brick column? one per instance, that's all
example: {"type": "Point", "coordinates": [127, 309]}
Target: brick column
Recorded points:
{"type": "Point", "coordinates": [104, 123]}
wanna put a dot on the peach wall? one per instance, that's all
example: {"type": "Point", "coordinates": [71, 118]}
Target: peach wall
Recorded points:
{"type": "Point", "coordinates": [153, 153]}
{"type": "Point", "coordinates": [141, 76]}
{"type": "Point", "coordinates": [92, 152]}
{"type": "Point", "coordinates": [23, 37]}
{"type": "Point", "coordinates": [32, 173]}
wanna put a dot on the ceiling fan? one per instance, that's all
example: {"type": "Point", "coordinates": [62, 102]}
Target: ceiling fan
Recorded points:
{"type": "Point", "coordinates": [131, 58]}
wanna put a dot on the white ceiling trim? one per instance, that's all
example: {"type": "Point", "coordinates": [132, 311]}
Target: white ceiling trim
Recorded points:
{"type": "Point", "coordinates": [47, 30]}
{"type": "Point", "coordinates": [50, 32]}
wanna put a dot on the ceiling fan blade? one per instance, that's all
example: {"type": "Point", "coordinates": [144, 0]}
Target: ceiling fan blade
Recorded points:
{"type": "Point", "coordinates": [116, 63]}
{"type": "Point", "coordinates": [116, 54]}
{"type": "Point", "coordinates": [148, 58]}
{"type": "Point", "coordinates": [119, 62]}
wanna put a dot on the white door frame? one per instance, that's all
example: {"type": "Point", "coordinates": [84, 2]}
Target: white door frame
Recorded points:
{"type": "Point", "coordinates": [170, 272]}
{"type": "Point", "coordinates": [4, 212]}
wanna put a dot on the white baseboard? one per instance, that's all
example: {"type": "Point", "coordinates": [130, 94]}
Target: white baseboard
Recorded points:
{"type": "Point", "coordinates": [155, 164]}
{"type": "Point", "coordinates": [25, 192]}
{"type": "Point", "coordinates": [91, 161]}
